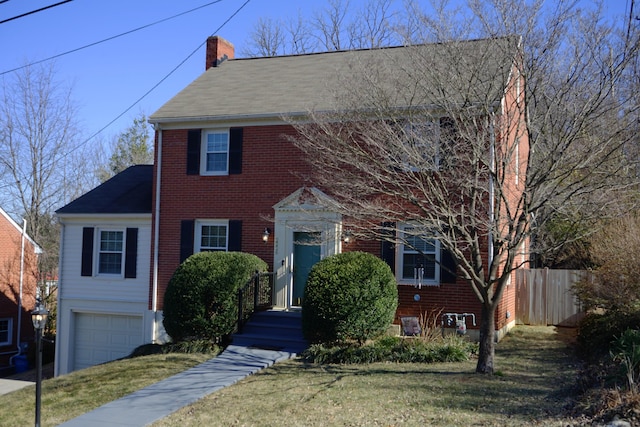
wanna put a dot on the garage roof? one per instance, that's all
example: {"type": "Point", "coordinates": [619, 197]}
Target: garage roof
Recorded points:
{"type": "Point", "coordinates": [129, 192]}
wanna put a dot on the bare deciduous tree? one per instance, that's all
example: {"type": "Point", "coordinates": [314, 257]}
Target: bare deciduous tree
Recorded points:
{"type": "Point", "coordinates": [479, 143]}
{"type": "Point", "coordinates": [335, 27]}
{"type": "Point", "coordinates": [38, 148]}
{"type": "Point", "coordinates": [614, 285]}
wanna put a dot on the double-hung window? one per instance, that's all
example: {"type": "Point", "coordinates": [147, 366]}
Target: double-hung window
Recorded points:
{"type": "Point", "coordinates": [110, 252]}
{"type": "Point", "coordinates": [5, 331]}
{"type": "Point", "coordinates": [211, 236]}
{"type": "Point", "coordinates": [419, 257]}
{"type": "Point", "coordinates": [421, 152]}
{"type": "Point", "coordinates": [215, 153]}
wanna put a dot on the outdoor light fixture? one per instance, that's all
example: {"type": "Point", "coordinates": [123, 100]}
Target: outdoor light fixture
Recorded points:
{"type": "Point", "coordinates": [265, 235]}
{"type": "Point", "coordinates": [39, 319]}
{"type": "Point", "coordinates": [39, 316]}
{"type": "Point", "coordinates": [346, 237]}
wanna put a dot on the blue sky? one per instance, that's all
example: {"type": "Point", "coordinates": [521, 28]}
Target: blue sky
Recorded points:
{"type": "Point", "coordinates": [108, 78]}
{"type": "Point", "coordinates": [111, 76]}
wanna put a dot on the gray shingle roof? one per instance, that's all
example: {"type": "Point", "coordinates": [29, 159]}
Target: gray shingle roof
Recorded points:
{"type": "Point", "coordinates": [129, 192]}
{"type": "Point", "coordinates": [462, 72]}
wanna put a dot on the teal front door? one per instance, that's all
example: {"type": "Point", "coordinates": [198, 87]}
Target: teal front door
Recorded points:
{"type": "Point", "coordinates": [306, 252]}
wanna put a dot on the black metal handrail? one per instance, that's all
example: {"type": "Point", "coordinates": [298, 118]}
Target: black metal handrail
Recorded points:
{"type": "Point", "coordinates": [255, 295]}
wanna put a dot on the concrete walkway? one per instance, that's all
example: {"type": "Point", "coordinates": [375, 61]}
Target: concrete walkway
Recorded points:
{"type": "Point", "coordinates": [7, 386]}
{"type": "Point", "coordinates": [155, 402]}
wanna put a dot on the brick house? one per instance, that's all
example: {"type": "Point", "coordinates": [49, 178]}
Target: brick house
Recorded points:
{"type": "Point", "coordinates": [226, 174]}
{"type": "Point", "coordinates": [18, 287]}
{"type": "Point", "coordinates": [226, 177]}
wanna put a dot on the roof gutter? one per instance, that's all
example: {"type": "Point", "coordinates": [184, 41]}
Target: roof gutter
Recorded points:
{"type": "Point", "coordinates": [284, 117]}
{"type": "Point", "coordinates": [226, 118]}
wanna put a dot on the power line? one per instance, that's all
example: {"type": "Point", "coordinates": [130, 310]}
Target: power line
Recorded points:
{"type": "Point", "coordinates": [34, 11]}
{"type": "Point", "coordinates": [107, 39]}
{"type": "Point", "coordinates": [160, 82]}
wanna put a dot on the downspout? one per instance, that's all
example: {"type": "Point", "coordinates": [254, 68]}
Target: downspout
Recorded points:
{"type": "Point", "coordinates": [58, 344]}
{"type": "Point", "coordinates": [19, 331]}
{"type": "Point", "coordinates": [156, 236]}
{"type": "Point", "coordinates": [492, 166]}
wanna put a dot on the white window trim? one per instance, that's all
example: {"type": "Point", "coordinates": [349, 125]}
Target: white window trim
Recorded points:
{"type": "Point", "coordinates": [203, 152]}
{"type": "Point", "coordinates": [96, 251]}
{"type": "Point", "coordinates": [199, 223]}
{"type": "Point", "coordinates": [9, 331]}
{"type": "Point", "coordinates": [400, 246]}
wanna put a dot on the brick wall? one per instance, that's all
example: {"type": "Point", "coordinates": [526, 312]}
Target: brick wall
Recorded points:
{"type": "Point", "coordinates": [271, 170]}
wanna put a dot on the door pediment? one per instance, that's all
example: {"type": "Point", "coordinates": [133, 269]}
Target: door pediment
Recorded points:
{"type": "Point", "coordinates": [305, 198]}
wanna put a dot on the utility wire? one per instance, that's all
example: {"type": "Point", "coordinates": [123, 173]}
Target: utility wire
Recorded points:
{"type": "Point", "coordinates": [160, 82]}
{"type": "Point", "coordinates": [108, 39]}
{"type": "Point", "coordinates": [34, 11]}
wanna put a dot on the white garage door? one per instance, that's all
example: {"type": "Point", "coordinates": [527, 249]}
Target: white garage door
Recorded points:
{"type": "Point", "coordinates": [101, 338]}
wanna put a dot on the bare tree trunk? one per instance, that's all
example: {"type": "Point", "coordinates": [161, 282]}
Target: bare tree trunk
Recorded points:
{"type": "Point", "coordinates": [487, 340]}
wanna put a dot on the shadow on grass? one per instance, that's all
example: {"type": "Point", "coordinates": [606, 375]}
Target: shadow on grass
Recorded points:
{"type": "Point", "coordinates": [536, 376]}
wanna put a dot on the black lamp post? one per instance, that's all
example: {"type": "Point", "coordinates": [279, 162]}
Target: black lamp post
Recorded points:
{"type": "Point", "coordinates": [39, 319]}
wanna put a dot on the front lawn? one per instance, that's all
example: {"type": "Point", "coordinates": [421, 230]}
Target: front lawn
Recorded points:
{"type": "Point", "coordinates": [534, 383]}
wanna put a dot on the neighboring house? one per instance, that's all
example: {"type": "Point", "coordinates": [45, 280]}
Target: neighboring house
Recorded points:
{"type": "Point", "coordinates": [227, 178]}
{"type": "Point", "coordinates": [103, 292]}
{"type": "Point", "coordinates": [18, 287]}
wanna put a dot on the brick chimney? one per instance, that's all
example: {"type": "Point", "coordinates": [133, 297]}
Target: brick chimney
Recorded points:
{"type": "Point", "coordinates": [218, 50]}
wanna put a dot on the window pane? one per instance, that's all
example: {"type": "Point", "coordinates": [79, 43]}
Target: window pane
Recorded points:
{"type": "Point", "coordinates": [413, 261]}
{"type": "Point", "coordinates": [217, 142]}
{"type": "Point", "coordinates": [216, 162]}
{"type": "Point", "coordinates": [425, 246]}
{"type": "Point", "coordinates": [110, 263]}
{"type": "Point", "coordinates": [214, 237]}
{"type": "Point", "coordinates": [111, 241]}
{"type": "Point", "coordinates": [4, 331]}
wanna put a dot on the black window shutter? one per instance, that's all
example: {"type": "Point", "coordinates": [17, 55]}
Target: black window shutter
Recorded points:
{"type": "Point", "coordinates": [194, 142]}
{"type": "Point", "coordinates": [186, 239]}
{"type": "Point", "coordinates": [388, 247]}
{"type": "Point", "coordinates": [447, 267]}
{"type": "Point", "coordinates": [235, 150]}
{"type": "Point", "coordinates": [86, 268]}
{"type": "Point", "coordinates": [131, 254]}
{"type": "Point", "coordinates": [235, 236]}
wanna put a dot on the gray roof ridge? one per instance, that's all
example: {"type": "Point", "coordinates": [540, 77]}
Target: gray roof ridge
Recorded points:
{"type": "Point", "coordinates": [365, 49]}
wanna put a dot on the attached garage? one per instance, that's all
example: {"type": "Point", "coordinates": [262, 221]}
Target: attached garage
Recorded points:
{"type": "Point", "coordinates": [100, 338]}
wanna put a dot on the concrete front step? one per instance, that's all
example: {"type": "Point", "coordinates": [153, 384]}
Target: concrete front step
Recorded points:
{"type": "Point", "coordinates": [273, 330]}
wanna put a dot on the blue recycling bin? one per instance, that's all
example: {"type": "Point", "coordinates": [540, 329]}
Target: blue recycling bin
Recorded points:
{"type": "Point", "coordinates": [21, 363]}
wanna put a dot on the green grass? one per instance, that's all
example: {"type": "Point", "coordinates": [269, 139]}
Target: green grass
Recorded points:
{"type": "Point", "coordinates": [68, 396]}
{"type": "Point", "coordinates": [535, 381]}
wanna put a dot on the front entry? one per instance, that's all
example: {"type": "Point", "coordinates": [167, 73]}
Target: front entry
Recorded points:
{"type": "Point", "coordinates": [306, 252]}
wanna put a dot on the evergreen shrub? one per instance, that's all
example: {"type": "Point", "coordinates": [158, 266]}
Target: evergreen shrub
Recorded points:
{"type": "Point", "coordinates": [348, 296]}
{"type": "Point", "coordinates": [200, 302]}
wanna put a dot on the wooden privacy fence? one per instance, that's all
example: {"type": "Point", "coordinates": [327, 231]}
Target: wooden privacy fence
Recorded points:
{"type": "Point", "coordinates": [544, 297]}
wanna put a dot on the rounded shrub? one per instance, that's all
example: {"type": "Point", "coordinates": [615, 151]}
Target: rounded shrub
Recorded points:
{"type": "Point", "coordinates": [201, 298]}
{"type": "Point", "coordinates": [348, 296]}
